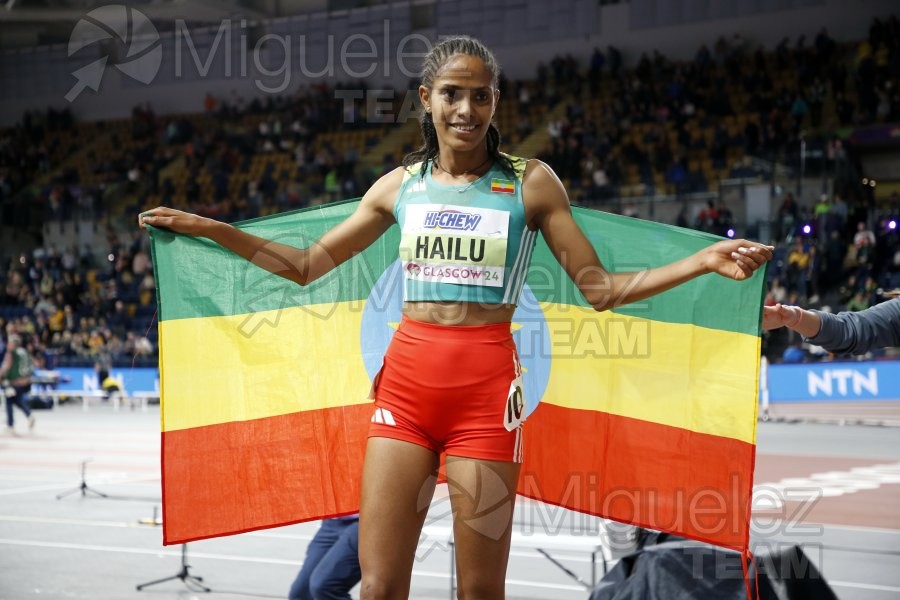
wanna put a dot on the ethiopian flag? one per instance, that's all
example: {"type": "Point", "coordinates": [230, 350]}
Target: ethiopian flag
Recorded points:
{"type": "Point", "coordinates": [645, 414]}
{"type": "Point", "coordinates": [503, 186]}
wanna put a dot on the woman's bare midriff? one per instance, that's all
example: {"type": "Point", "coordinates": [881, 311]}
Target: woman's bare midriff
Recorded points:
{"type": "Point", "coordinates": [458, 313]}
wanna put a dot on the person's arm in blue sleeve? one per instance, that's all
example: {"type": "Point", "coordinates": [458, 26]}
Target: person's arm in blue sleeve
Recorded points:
{"type": "Point", "coordinates": [844, 333]}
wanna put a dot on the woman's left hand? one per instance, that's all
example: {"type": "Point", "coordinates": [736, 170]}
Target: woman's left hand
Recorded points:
{"type": "Point", "coordinates": [736, 259]}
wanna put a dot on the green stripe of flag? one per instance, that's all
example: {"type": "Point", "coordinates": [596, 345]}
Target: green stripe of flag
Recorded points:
{"type": "Point", "coordinates": [627, 244]}
{"type": "Point", "coordinates": [202, 279]}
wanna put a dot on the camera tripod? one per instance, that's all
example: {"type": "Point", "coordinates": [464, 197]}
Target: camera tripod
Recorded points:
{"type": "Point", "coordinates": [84, 488]}
{"type": "Point", "coordinates": [193, 582]}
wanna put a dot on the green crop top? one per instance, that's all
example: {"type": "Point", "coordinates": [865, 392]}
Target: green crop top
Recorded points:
{"type": "Point", "coordinates": [464, 243]}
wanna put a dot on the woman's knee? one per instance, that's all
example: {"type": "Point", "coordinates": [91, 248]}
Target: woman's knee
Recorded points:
{"type": "Point", "coordinates": [383, 588]}
{"type": "Point", "coordinates": [481, 590]}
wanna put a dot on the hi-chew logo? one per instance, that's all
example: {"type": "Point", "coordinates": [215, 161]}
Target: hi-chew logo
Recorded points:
{"type": "Point", "coordinates": [451, 219]}
{"type": "Point", "coordinates": [124, 35]}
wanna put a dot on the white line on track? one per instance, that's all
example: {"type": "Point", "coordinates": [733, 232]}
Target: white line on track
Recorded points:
{"type": "Point", "coordinates": [886, 530]}
{"type": "Point", "coordinates": [824, 526]}
{"type": "Point", "coordinates": [109, 480]}
{"type": "Point", "coordinates": [864, 586]}
{"type": "Point", "coordinates": [238, 558]}
{"type": "Point", "coordinates": [58, 521]}
{"type": "Point", "coordinates": [160, 552]}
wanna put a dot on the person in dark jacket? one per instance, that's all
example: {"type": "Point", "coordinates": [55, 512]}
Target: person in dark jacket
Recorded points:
{"type": "Point", "coordinates": [844, 333]}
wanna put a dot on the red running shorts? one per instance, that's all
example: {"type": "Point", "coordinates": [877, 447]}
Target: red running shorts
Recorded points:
{"type": "Point", "coordinates": [446, 388]}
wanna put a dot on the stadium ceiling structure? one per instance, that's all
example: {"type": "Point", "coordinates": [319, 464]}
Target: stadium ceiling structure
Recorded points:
{"type": "Point", "coordinates": [35, 22]}
{"type": "Point", "coordinates": [43, 11]}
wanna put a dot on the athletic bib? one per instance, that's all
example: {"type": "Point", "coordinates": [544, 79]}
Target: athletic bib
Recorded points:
{"type": "Point", "coordinates": [450, 244]}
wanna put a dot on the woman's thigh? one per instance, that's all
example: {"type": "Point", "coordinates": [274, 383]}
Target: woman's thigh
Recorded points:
{"type": "Point", "coordinates": [397, 487]}
{"type": "Point", "coordinates": [483, 495]}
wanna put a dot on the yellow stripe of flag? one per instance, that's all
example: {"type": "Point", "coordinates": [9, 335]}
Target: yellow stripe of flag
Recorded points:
{"type": "Point", "coordinates": [599, 361]}
{"type": "Point", "coordinates": [296, 361]}
{"type": "Point", "coordinates": [646, 370]}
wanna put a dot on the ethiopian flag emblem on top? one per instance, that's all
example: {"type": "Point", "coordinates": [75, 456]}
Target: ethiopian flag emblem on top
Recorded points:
{"type": "Point", "coordinates": [503, 186]}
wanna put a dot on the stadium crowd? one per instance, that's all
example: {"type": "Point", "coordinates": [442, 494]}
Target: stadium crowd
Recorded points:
{"type": "Point", "coordinates": [731, 101]}
{"type": "Point", "coordinates": [72, 312]}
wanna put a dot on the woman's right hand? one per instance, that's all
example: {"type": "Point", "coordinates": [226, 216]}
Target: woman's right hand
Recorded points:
{"type": "Point", "coordinates": [176, 220]}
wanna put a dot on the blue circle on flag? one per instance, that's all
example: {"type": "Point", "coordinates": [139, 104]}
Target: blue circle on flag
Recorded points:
{"type": "Point", "coordinates": [383, 311]}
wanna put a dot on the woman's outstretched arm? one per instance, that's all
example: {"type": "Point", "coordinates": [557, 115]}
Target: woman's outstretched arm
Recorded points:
{"type": "Point", "coordinates": [548, 208]}
{"type": "Point", "coordinates": [301, 265]}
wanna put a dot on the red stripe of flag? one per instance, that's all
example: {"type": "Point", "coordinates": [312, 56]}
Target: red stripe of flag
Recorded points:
{"type": "Point", "coordinates": [601, 465]}
{"type": "Point", "coordinates": [233, 476]}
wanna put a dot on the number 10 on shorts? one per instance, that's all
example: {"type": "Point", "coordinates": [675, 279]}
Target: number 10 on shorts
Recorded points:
{"type": "Point", "coordinates": [515, 406]}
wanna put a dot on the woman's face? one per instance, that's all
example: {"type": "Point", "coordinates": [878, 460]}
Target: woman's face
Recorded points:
{"type": "Point", "coordinates": [461, 102]}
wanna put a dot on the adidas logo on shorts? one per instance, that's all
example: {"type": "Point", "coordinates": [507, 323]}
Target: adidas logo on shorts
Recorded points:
{"type": "Point", "coordinates": [383, 416]}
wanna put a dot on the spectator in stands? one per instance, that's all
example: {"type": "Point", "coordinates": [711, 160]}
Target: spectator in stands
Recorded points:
{"type": "Point", "coordinates": [725, 219]}
{"type": "Point", "coordinates": [799, 109]}
{"type": "Point", "coordinates": [794, 353]}
{"type": "Point", "coordinates": [615, 61]}
{"type": "Point", "coordinates": [777, 293]}
{"type": "Point", "coordinates": [788, 213]}
{"type": "Point", "coordinates": [864, 240]}
{"type": "Point", "coordinates": [209, 103]}
{"type": "Point", "coordinates": [797, 267]}
{"type": "Point", "coordinates": [858, 302]}
{"type": "Point", "coordinates": [598, 60]}
{"type": "Point", "coordinates": [708, 217]}
{"type": "Point", "coordinates": [835, 252]}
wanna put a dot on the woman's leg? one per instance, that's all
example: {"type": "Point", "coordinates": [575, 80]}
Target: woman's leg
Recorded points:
{"type": "Point", "coordinates": [397, 487]}
{"type": "Point", "coordinates": [483, 495]}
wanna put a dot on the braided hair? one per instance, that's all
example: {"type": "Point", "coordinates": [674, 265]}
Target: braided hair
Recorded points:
{"type": "Point", "coordinates": [434, 61]}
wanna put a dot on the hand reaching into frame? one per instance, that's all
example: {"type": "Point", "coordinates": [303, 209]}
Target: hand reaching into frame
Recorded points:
{"type": "Point", "coordinates": [780, 315]}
